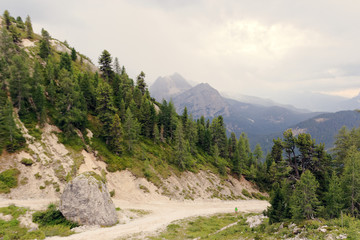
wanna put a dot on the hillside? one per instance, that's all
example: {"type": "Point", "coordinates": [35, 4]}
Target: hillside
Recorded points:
{"type": "Point", "coordinates": [323, 128]}
{"type": "Point", "coordinates": [60, 115]}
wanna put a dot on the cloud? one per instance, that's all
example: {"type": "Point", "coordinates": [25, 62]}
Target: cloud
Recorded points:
{"type": "Point", "coordinates": [267, 49]}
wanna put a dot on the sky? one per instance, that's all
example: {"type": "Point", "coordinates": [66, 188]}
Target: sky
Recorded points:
{"type": "Point", "coordinates": [275, 49]}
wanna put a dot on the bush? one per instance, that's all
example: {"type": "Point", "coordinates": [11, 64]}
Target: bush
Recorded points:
{"type": "Point", "coordinates": [246, 193]}
{"type": "Point", "coordinates": [8, 179]}
{"type": "Point", "coordinates": [51, 217]}
{"type": "Point", "coordinates": [27, 161]}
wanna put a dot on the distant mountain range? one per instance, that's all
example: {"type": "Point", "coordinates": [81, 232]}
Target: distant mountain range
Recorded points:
{"type": "Point", "coordinates": [203, 100]}
{"type": "Point", "coordinates": [323, 128]}
{"type": "Point", "coordinates": [261, 119]}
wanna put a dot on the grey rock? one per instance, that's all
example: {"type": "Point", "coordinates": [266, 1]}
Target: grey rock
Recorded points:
{"type": "Point", "coordinates": [86, 200]}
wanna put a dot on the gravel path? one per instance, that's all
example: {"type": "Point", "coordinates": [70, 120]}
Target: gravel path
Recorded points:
{"type": "Point", "coordinates": [162, 214]}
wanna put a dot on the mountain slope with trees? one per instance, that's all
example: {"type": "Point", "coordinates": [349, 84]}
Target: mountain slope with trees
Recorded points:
{"type": "Point", "coordinates": [49, 82]}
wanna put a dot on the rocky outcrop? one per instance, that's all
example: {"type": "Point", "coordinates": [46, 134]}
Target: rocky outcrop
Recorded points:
{"type": "Point", "coordinates": [86, 200]}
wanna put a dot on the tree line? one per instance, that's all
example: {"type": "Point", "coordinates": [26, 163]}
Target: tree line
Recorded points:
{"type": "Point", "coordinates": [47, 86]}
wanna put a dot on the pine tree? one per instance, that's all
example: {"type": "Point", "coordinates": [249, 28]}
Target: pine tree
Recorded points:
{"type": "Point", "coordinates": [105, 107]}
{"type": "Point", "coordinates": [277, 204]}
{"type": "Point", "coordinates": [334, 197]}
{"type": "Point", "coordinates": [116, 135]}
{"type": "Point", "coordinates": [117, 67]}
{"type": "Point", "coordinates": [140, 82]}
{"type": "Point", "coordinates": [29, 29]}
{"type": "Point", "coordinates": [73, 54]}
{"type": "Point", "coordinates": [105, 64]}
{"type": "Point", "coordinates": [7, 19]}
{"type": "Point", "coordinates": [182, 156]}
{"type": "Point", "coordinates": [19, 82]}
{"type": "Point", "coordinates": [156, 133]}
{"type": "Point", "coordinates": [131, 129]}
{"type": "Point", "coordinates": [65, 62]}
{"type": "Point", "coordinates": [351, 180]}
{"type": "Point", "coordinates": [258, 154]}
{"type": "Point", "coordinates": [45, 49]}
{"type": "Point", "coordinates": [304, 202]}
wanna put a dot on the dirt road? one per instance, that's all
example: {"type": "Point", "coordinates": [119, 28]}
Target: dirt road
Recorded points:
{"type": "Point", "coordinates": [162, 214]}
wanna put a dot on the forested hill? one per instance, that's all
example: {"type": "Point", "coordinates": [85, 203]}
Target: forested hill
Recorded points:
{"type": "Point", "coordinates": [47, 81]}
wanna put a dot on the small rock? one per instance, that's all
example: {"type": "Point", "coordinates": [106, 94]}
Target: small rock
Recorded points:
{"type": "Point", "coordinates": [255, 221]}
{"type": "Point", "coordinates": [329, 237]}
{"type": "Point", "coordinates": [323, 229]}
{"type": "Point", "coordinates": [296, 230]}
{"type": "Point", "coordinates": [341, 236]}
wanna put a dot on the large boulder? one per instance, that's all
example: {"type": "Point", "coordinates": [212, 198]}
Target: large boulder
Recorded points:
{"type": "Point", "coordinates": [86, 200]}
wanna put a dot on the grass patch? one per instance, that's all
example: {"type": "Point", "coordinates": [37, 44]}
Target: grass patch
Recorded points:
{"type": "Point", "coordinates": [140, 212]}
{"type": "Point", "coordinates": [200, 227]}
{"type": "Point", "coordinates": [246, 193]}
{"type": "Point", "coordinates": [51, 217]}
{"type": "Point", "coordinates": [13, 210]}
{"type": "Point", "coordinates": [8, 180]}
{"type": "Point", "coordinates": [73, 141]}
{"type": "Point", "coordinates": [27, 161]}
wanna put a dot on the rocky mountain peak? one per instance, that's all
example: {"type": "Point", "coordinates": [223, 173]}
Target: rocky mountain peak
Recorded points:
{"type": "Point", "coordinates": [168, 86]}
{"type": "Point", "coordinates": [202, 100]}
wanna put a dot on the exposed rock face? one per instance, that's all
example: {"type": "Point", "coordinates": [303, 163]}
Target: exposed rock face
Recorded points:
{"type": "Point", "coordinates": [202, 100]}
{"type": "Point", "coordinates": [86, 200]}
{"type": "Point", "coordinates": [168, 87]}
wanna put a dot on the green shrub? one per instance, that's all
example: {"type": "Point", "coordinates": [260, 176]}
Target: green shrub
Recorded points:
{"type": "Point", "coordinates": [8, 179]}
{"type": "Point", "coordinates": [27, 161]}
{"type": "Point", "coordinates": [246, 193]}
{"type": "Point", "coordinates": [37, 176]}
{"type": "Point", "coordinates": [51, 217]}
{"type": "Point", "coordinates": [13, 210]}
{"type": "Point", "coordinates": [112, 193]}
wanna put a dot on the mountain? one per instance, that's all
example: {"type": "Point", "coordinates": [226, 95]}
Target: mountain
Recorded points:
{"type": "Point", "coordinates": [323, 128]}
{"type": "Point", "coordinates": [168, 86]}
{"type": "Point", "coordinates": [261, 101]}
{"type": "Point", "coordinates": [351, 104]}
{"type": "Point", "coordinates": [202, 100]}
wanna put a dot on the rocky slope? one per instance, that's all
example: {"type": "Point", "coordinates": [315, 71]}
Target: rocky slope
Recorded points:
{"type": "Point", "coordinates": [54, 164]}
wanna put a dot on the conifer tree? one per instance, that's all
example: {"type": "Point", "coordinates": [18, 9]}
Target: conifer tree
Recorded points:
{"type": "Point", "coordinates": [117, 67]}
{"type": "Point", "coordinates": [105, 64]}
{"type": "Point", "coordinates": [29, 29]}
{"type": "Point", "coordinates": [334, 197]}
{"type": "Point", "coordinates": [131, 129]}
{"type": "Point", "coordinates": [45, 49]}
{"type": "Point", "coordinates": [304, 201]}
{"type": "Point", "coordinates": [156, 133]}
{"type": "Point", "coordinates": [351, 180]}
{"type": "Point", "coordinates": [19, 82]}
{"type": "Point", "coordinates": [7, 19]}
{"type": "Point", "coordinates": [182, 156]}
{"type": "Point", "coordinates": [105, 107]}
{"type": "Point", "coordinates": [140, 82]}
{"type": "Point", "coordinates": [116, 134]}
{"type": "Point", "coordinates": [258, 154]}
{"type": "Point", "coordinates": [73, 54]}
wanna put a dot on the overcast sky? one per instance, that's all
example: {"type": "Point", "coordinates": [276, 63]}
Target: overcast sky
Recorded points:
{"type": "Point", "coordinates": [271, 49]}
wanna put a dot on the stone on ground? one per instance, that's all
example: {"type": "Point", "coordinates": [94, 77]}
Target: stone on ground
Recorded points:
{"type": "Point", "coordinates": [86, 200]}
